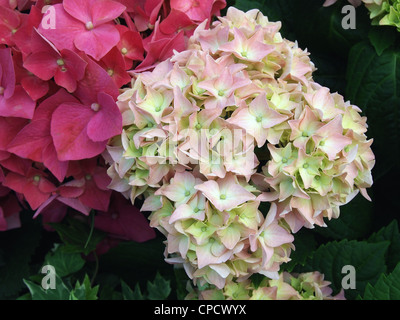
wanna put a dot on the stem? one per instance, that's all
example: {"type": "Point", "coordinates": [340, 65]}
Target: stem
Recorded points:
{"type": "Point", "coordinates": [91, 230]}
{"type": "Point", "coordinates": [96, 269]}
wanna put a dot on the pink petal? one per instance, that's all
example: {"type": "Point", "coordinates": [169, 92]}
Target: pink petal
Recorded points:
{"type": "Point", "coordinates": [98, 41]}
{"type": "Point", "coordinates": [19, 105]}
{"type": "Point", "coordinates": [107, 122]}
{"type": "Point", "coordinates": [80, 10]}
{"type": "Point", "coordinates": [124, 221]}
{"type": "Point", "coordinates": [66, 29]}
{"type": "Point", "coordinates": [50, 160]}
{"type": "Point", "coordinates": [94, 197]}
{"type": "Point", "coordinates": [66, 80]}
{"type": "Point", "coordinates": [176, 20]}
{"type": "Point", "coordinates": [46, 108]}
{"type": "Point", "coordinates": [32, 140]}
{"type": "Point", "coordinates": [75, 204]}
{"type": "Point", "coordinates": [35, 87]}
{"type": "Point", "coordinates": [96, 80]}
{"type": "Point", "coordinates": [69, 132]}
{"type": "Point", "coordinates": [105, 11]}
{"type": "Point", "coordinates": [42, 64]}
{"type": "Point", "coordinates": [277, 236]}
{"type": "Point", "coordinates": [7, 72]}
{"type": "Point", "coordinates": [9, 128]}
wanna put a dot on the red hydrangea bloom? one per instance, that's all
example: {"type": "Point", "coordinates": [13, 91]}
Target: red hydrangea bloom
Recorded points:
{"type": "Point", "coordinates": [89, 184]}
{"type": "Point", "coordinates": [113, 62]}
{"type": "Point", "coordinates": [35, 87]}
{"type": "Point", "coordinates": [58, 89]}
{"type": "Point", "coordinates": [160, 46]}
{"type": "Point", "coordinates": [35, 142]}
{"type": "Point", "coordinates": [144, 12]}
{"type": "Point", "coordinates": [124, 221]}
{"type": "Point", "coordinates": [10, 22]}
{"type": "Point", "coordinates": [47, 62]}
{"type": "Point", "coordinates": [33, 185]}
{"type": "Point", "coordinates": [75, 127]}
{"type": "Point", "coordinates": [130, 46]}
{"type": "Point", "coordinates": [199, 10]}
{"type": "Point", "coordinates": [86, 26]}
{"type": "Point", "coordinates": [14, 101]}
{"type": "Point", "coordinates": [9, 209]}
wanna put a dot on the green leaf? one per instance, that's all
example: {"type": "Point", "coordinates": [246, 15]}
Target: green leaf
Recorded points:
{"type": "Point", "coordinates": [64, 263]}
{"type": "Point", "coordinates": [108, 283]}
{"type": "Point", "coordinates": [78, 236]}
{"type": "Point", "coordinates": [135, 262]}
{"type": "Point", "coordinates": [181, 280]}
{"type": "Point", "coordinates": [305, 244]}
{"type": "Point", "coordinates": [129, 294]}
{"type": "Point", "coordinates": [367, 259]}
{"type": "Point", "coordinates": [26, 296]}
{"type": "Point", "coordinates": [61, 291]}
{"type": "Point", "coordinates": [17, 246]}
{"type": "Point", "coordinates": [382, 38]}
{"type": "Point", "coordinates": [84, 291]}
{"type": "Point", "coordinates": [386, 288]}
{"type": "Point", "coordinates": [257, 278]}
{"type": "Point", "coordinates": [373, 84]}
{"type": "Point", "coordinates": [314, 27]}
{"type": "Point", "coordinates": [355, 221]}
{"type": "Point", "coordinates": [159, 289]}
{"type": "Point", "coordinates": [389, 233]}
{"type": "Point", "coordinates": [246, 5]}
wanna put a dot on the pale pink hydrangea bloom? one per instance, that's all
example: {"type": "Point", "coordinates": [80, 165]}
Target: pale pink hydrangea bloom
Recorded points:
{"type": "Point", "coordinates": [303, 286]}
{"type": "Point", "coordinates": [235, 121]}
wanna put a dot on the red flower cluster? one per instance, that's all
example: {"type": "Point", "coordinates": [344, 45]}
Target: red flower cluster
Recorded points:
{"type": "Point", "coordinates": [62, 64]}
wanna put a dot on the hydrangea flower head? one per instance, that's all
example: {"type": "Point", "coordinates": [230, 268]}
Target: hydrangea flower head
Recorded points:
{"type": "Point", "coordinates": [232, 123]}
{"type": "Point", "coordinates": [303, 286]}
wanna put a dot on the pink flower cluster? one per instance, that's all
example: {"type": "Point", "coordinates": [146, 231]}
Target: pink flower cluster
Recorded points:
{"type": "Point", "coordinates": [62, 65]}
{"type": "Point", "coordinates": [233, 123]}
{"type": "Point", "coordinates": [303, 286]}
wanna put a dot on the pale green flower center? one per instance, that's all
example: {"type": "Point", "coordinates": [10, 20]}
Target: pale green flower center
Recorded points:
{"type": "Point", "coordinates": [284, 160]}
{"type": "Point", "coordinates": [187, 193]}
{"type": "Point", "coordinates": [124, 51]}
{"type": "Point", "coordinates": [89, 25]}
{"type": "Point", "coordinates": [259, 119]}
{"type": "Point", "coordinates": [95, 107]}
{"type": "Point", "coordinates": [306, 165]}
{"type": "Point", "coordinates": [36, 178]}
{"type": "Point", "coordinates": [222, 197]}
{"type": "Point", "coordinates": [60, 62]}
